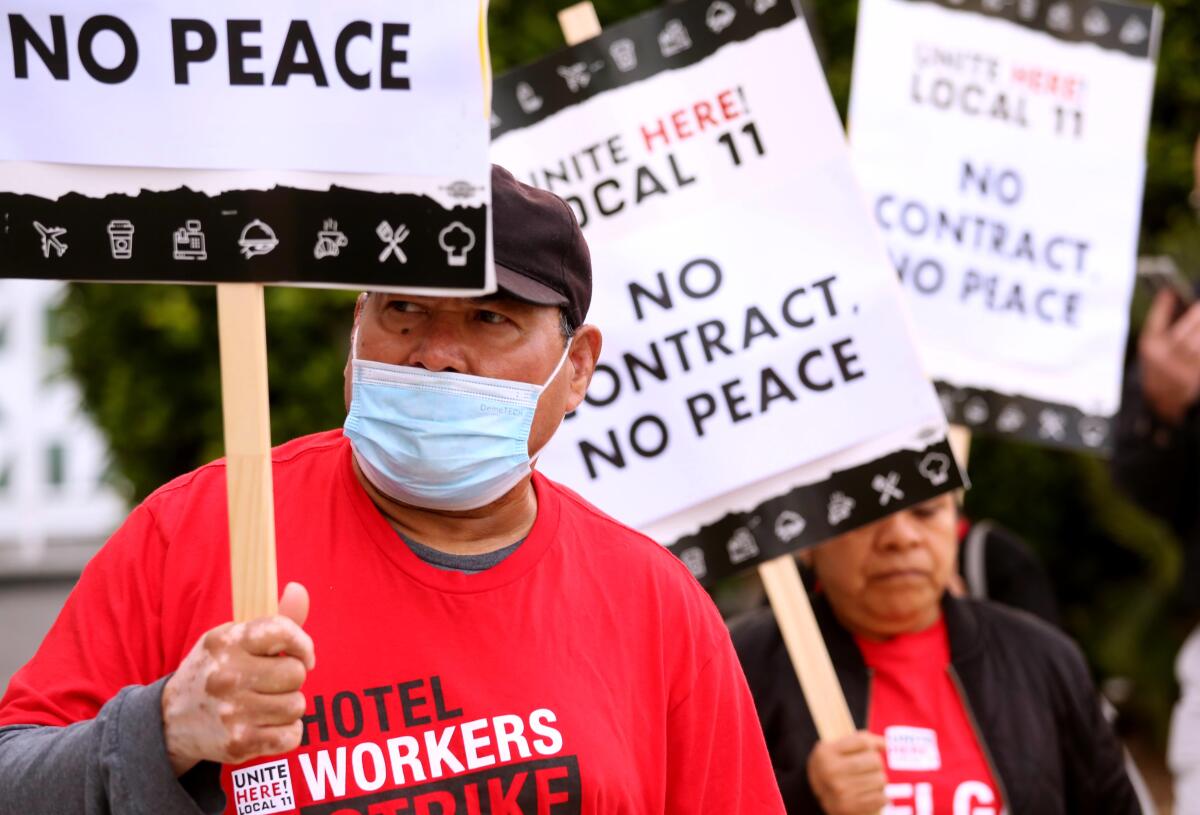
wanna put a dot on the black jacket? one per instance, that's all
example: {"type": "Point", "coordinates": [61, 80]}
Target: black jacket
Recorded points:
{"type": "Point", "coordinates": [997, 565]}
{"type": "Point", "coordinates": [1026, 688]}
{"type": "Point", "coordinates": [1159, 467]}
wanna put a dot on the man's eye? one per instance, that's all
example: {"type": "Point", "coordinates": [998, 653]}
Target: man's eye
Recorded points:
{"type": "Point", "coordinates": [404, 306]}
{"type": "Point", "coordinates": [492, 317]}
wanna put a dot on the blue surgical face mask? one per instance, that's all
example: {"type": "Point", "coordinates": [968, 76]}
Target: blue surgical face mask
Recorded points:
{"type": "Point", "coordinates": [437, 440]}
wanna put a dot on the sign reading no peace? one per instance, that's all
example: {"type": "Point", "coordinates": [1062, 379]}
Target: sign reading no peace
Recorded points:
{"type": "Point", "coordinates": [339, 145]}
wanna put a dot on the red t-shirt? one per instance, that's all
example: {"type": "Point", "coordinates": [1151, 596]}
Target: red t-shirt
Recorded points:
{"type": "Point", "coordinates": [934, 760]}
{"type": "Point", "coordinates": [587, 672]}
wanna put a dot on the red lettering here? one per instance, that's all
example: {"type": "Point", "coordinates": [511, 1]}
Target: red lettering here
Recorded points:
{"type": "Point", "coordinates": [387, 807]}
{"type": "Point", "coordinates": [1051, 83]}
{"type": "Point", "coordinates": [681, 123]}
{"type": "Point", "coordinates": [686, 122]}
{"type": "Point", "coordinates": [659, 132]}
{"type": "Point", "coordinates": [729, 108]}
{"type": "Point", "coordinates": [704, 117]}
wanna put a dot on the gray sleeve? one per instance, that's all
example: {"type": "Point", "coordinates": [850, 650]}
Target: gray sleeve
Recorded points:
{"type": "Point", "coordinates": [114, 763]}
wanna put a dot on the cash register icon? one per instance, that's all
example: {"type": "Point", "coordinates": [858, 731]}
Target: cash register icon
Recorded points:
{"type": "Point", "coordinates": [189, 242]}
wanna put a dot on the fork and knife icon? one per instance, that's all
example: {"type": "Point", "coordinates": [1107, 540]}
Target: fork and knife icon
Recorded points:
{"type": "Point", "coordinates": [392, 239]}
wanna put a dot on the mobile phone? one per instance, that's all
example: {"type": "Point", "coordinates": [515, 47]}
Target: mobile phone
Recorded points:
{"type": "Point", "coordinates": [1157, 273]}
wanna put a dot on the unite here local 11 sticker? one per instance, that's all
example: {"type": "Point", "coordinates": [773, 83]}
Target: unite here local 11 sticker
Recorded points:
{"type": "Point", "coordinates": [263, 788]}
{"type": "Point", "coordinates": [759, 389]}
{"type": "Point", "coordinates": [1002, 147]}
{"type": "Point", "coordinates": [338, 145]}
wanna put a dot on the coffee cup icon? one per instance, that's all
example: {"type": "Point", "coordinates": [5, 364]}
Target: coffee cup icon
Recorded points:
{"type": "Point", "coordinates": [120, 239]}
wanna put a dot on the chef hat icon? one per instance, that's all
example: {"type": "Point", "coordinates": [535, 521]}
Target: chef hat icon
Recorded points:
{"type": "Point", "coordinates": [456, 241]}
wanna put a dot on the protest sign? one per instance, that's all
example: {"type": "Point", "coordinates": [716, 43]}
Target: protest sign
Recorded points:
{"type": "Point", "coordinates": [758, 390]}
{"type": "Point", "coordinates": [339, 146]}
{"type": "Point", "coordinates": [780, 576]}
{"type": "Point", "coordinates": [1002, 145]}
{"type": "Point", "coordinates": [310, 144]}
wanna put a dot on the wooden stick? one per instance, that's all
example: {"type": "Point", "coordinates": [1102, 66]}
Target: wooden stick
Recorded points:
{"type": "Point", "coordinates": [959, 437]}
{"type": "Point", "coordinates": [810, 657]}
{"type": "Point", "coordinates": [960, 444]}
{"type": "Point", "coordinates": [579, 22]}
{"type": "Point", "coordinates": [780, 576]}
{"type": "Point", "coordinates": [241, 319]}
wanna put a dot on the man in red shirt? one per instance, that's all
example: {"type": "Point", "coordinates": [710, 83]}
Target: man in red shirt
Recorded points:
{"type": "Point", "coordinates": [480, 639]}
{"type": "Point", "coordinates": [965, 707]}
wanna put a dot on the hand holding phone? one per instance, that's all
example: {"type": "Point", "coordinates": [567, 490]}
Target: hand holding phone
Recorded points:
{"type": "Point", "coordinates": [1161, 273]}
{"type": "Point", "coordinates": [1169, 354]}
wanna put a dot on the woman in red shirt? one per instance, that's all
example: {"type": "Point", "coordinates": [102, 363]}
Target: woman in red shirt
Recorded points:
{"type": "Point", "coordinates": [965, 707]}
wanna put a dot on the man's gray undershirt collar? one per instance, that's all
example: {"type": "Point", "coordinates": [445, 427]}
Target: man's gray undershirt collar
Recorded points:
{"type": "Point", "coordinates": [466, 564]}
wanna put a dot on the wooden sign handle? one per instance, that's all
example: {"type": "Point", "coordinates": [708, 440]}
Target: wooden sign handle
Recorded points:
{"type": "Point", "coordinates": [579, 22]}
{"type": "Point", "coordinates": [960, 444]}
{"type": "Point", "coordinates": [810, 658]}
{"type": "Point", "coordinates": [780, 576]}
{"type": "Point", "coordinates": [241, 319]}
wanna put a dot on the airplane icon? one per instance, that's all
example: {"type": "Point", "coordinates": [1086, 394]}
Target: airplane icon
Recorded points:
{"type": "Point", "coordinates": [50, 239]}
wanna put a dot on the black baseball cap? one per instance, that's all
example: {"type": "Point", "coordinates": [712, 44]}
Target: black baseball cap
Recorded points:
{"type": "Point", "coordinates": [541, 255]}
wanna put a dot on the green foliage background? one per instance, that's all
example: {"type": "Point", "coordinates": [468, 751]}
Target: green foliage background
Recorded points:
{"type": "Point", "coordinates": [147, 360]}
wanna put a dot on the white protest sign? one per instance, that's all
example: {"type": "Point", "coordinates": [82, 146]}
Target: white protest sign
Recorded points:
{"type": "Point", "coordinates": [1003, 149]}
{"type": "Point", "coordinates": [758, 389]}
{"type": "Point", "coordinates": [311, 143]}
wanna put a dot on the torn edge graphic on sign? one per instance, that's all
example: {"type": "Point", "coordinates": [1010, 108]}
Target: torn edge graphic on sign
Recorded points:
{"type": "Point", "coordinates": [1050, 424]}
{"type": "Point", "coordinates": [283, 235]}
{"type": "Point", "coordinates": [1116, 25]}
{"type": "Point", "coordinates": [780, 519]}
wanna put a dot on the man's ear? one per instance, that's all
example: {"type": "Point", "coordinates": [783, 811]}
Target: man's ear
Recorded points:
{"type": "Point", "coordinates": [359, 305]}
{"type": "Point", "coordinates": [583, 356]}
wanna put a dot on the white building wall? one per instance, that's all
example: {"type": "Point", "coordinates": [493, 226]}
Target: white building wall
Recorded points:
{"type": "Point", "coordinates": [55, 510]}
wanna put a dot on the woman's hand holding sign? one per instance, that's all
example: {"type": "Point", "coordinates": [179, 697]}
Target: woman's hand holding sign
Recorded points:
{"type": "Point", "coordinates": [237, 694]}
{"type": "Point", "coordinates": [847, 775]}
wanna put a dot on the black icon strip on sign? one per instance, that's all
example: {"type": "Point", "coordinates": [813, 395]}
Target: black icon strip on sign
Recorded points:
{"type": "Point", "coordinates": [674, 36]}
{"type": "Point", "coordinates": [1020, 417]}
{"type": "Point", "coordinates": [814, 513]}
{"type": "Point", "coordinates": [1115, 25]}
{"type": "Point", "coordinates": [283, 235]}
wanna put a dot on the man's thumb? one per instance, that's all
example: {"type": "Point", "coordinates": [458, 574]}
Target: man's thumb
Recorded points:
{"type": "Point", "coordinates": [293, 603]}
